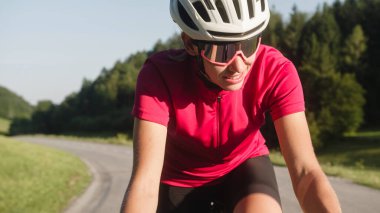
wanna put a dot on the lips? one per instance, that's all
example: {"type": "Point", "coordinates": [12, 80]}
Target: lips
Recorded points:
{"type": "Point", "coordinates": [233, 79]}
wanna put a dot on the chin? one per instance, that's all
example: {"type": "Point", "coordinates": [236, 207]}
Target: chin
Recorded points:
{"type": "Point", "coordinates": [232, 87]}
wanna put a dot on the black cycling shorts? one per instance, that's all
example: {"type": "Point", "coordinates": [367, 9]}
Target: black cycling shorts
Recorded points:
{"type": "Point", "coordinates": [256, 175]}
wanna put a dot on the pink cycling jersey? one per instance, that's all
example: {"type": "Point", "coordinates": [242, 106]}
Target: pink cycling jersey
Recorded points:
{"type": "Point", "coordinates": [212, 131]}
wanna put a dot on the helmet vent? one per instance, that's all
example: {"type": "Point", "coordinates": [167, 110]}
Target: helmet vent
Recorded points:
{"type": "Point", "coordinates": [185, 17]}
{"type": "Point", "coordinates": [237, 8]}
{"type": "Point", "coordinates": [250, 8]}
{"type": "Point", "coordinates": [209, 5]}
{"type": "Point", "coordinates": [222, 11]}
{"type": "Point", "coordinates": [200, 8]}
{"type": "Point", "coordinates": [263, 5]}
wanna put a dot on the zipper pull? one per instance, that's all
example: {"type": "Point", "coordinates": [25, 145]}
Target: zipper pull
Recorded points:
{"type": "Point", "coordinates": [219, 98]}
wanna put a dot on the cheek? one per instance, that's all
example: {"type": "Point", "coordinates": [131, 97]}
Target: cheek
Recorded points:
{"type": "Point", "coordinates": [212, 71]}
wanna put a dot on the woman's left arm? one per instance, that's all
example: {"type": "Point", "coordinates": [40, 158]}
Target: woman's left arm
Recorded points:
{"type": "Point", "coordinates": [310, 184]}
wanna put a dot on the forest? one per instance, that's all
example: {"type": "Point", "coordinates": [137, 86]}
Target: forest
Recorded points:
{"type": "Point", "coordinates": [336, 51]}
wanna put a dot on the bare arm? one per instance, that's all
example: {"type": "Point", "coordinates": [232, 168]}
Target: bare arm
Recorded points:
{"type": "Point", "coordinates": [148, 156]}
{"type": "Point", "coordinates": [310, 184]}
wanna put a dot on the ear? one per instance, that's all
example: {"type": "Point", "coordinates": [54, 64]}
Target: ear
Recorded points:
{"type": "Point", "coordinates": [190, 48]}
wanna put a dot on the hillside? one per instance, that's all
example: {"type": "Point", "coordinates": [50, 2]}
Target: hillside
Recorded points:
{"type": "Point", "coordinates": [13, 106]}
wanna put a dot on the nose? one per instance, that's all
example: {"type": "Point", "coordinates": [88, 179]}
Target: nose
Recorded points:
{"type": "Point", "coordinates": [238, 64]}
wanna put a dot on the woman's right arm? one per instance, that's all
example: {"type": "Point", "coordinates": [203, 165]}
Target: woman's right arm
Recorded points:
{"type": "Point", "coordinates": [148, 156]}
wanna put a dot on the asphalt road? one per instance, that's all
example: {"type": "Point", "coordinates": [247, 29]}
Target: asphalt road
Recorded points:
{"type": "Point", "coordinates": [111, 168]}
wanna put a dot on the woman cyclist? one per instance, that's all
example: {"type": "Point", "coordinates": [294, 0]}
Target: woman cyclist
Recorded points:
{"type": "Point", "coordinates": [198, 113]}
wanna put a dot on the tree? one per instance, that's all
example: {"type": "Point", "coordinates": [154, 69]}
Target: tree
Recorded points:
{"type": "Point", "coordinates": [334, 103]}
{"type": "Point", "coordinates": [370, 78]}
{"type": "Point", "coordinates": [319, 45]}
{"type": "Point", "coordinates": [354, 48]}
{"type": "Point", "coordinates": [292, 34]}
{"type": "Point", "coordinates": [334, 100]}
{"type": "Point", "coordinates": [340, 105]}
{"type": "Point", "coordinates": [272, 35]}
{"type": "Point", "coordinates": [365, 13]}
{"type": "Point", "coordinates": [42, 117]}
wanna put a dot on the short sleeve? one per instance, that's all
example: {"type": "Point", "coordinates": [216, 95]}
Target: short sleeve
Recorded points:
{"type": "Point", "coordinates": [151, 99]}
{"type": "Point", "coordinates": [287, 94]}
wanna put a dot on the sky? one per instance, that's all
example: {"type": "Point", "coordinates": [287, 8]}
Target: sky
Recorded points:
{"type": "Point", "coordinates": [47, 47]}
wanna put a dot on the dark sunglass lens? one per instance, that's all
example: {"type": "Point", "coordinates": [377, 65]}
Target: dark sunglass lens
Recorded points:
{"type": "Point", "coordinates": [222, 53]}
{"type": "Point", "coordinates": [249, 46]}
{"type": "Point", "coordinates": [225, 52]}
{"type": "Point", "coordinates": [214, 52]}
{"type": "Point", "coordinates": [207, 50]}
{"type": "Point", "coordinates": [231, 51]}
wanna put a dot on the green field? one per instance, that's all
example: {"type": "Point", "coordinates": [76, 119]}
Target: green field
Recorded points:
{"type": "Point", "coordinates": [36, 179]}
{"type": "Point", "coordinates": [4, 126]}
{"type": "Point", "coordinates": [356, 157]}
{"type": "Point", "coordinates": [106, 138]}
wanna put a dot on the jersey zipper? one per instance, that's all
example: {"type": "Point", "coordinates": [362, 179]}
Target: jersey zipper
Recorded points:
{"type": "Point", "coordinates": [218, 126]}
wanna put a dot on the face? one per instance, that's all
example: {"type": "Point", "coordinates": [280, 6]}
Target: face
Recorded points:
{"type": "Point", "coordinates": [225, 64]}
{"type": "Point", "coordinates": [231, 76]}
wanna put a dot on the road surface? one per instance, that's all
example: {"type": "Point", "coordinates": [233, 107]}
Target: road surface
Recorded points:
{"type": "Point", "coordinates": [111, 168]}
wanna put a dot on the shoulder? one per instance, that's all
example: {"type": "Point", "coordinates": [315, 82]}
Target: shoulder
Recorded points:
{"type": "Point", "coordinates": [270, 63]}
{"type": "Point", "coordinates": [168, 58]}
{"type": "Point", "coordinates": [170, 63]}
{"type": "Point", "coordinates": [271, 68]}
{"type": "Point", "coordinates": [271, 57]}
{"type": "Point", "coordinates": [164, 62]}
{"type": "Point", "coordinates": [170, 66]}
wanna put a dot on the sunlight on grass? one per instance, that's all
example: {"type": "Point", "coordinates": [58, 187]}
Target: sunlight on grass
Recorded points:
{"type": "Point", "coordinates": [363, 176]}
{"type": "Point", "coordinates": [367, 134]}
{"type": "Point", "coordinates": [356, 157]}
{"type": "Point", "coordinates": [119, 138]}
{"type": "Point", "coordinates": [38, 179]}
{"type": "Point", "coordinates": [277, 158]}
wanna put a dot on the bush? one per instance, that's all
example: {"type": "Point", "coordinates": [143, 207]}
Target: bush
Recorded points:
{"type": "Point", "coordinates": [334, 101]}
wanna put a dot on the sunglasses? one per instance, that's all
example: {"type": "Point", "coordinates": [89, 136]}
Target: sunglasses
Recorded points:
{"type": "Point", "coordinates": [223, 53]}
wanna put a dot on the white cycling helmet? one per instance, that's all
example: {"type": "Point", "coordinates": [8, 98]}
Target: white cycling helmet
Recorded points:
{"type": "Point", "coordinates": [220, 20]}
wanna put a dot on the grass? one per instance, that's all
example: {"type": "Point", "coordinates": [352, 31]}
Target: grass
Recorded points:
{"type": "Point", "coordinates": [356, 157]}
{"type": "Point", "coordinates": [38, 179]}
{"type": "Point", "coordinates": [370, 135]}
{"type": "Point", "coordinates": [4, 126]}
{"type": "Point", "coordinates": [106, 138]}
